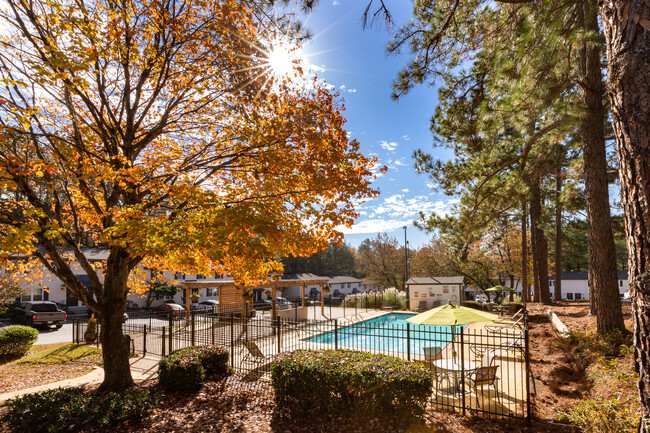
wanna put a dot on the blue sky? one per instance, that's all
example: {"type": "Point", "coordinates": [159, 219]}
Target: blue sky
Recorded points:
{"type": "Point", "coordinates": [354, 61]}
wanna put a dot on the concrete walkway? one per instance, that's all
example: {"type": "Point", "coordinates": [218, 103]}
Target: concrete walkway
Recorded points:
{"type": "Point", "coordinates": [142, 368]}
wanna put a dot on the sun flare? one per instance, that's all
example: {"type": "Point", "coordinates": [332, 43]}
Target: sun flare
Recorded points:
{"type": "Point", "coordinates": [282, 60]}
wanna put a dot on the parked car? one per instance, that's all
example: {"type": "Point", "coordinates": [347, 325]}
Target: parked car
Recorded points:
{"type": "Point", "coordinates": [282, 303]}
{"type": "Point", "coordinates": [130, 305]}
{"type": "Point", "coordinates": [208, 304]}
{"type": "Point", "coordinates": [38, 313]}
{"type": "Point", "coordinates": [174, 310]}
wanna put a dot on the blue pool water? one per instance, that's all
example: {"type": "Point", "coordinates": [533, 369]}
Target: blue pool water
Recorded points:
{"type": "Point", "coordinates": [389, 333]}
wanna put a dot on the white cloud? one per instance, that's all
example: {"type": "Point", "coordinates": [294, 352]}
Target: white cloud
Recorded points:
{"type": "Point", "coordinates": [397, 206]}
{"type": "Point", "coordinates": [343, 88]}
{"type": "Point", "coordinates": [335, 3]}
{"type": "Point", "coordinates": [375, 226]}
{"type": "Point", "coordinates": [406, 137]}
{"type": "Point", "coordinates": [405, 190]}
{"type": "Point", "coordinates": [401, 162]}
{"type": "Point", "coordinates": [388, 146]}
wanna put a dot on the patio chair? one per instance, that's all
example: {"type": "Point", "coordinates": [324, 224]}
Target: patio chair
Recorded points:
{"type": "Point", "coordinates": [505, 327]}
{"type": "Point", "coordinates": [254, 356]}
{"type": "Point", "coordinates": [432, 353]}
{"type": "Point", "coordinates": [422, 306]}
{"type": "Point", "coordinates": [515, 317]}
{"type": "Point", "coordinates": [439, 375]}
{"type": "Point", "coordinates": [484, 376]}
{"type": "Point", "coordinates": [385, 305]}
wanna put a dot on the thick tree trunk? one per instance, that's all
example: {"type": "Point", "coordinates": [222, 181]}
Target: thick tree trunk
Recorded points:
{"type": "Point", "coordinates": [605, 301]}
{"type": "Point", "coordinates": [525, 289]}
{"type": "Point", "coordinates": [115, 349]}
{"type": "Point", "coordinates": [557, 288]}
{"type": "Point", "coordinates": [533, 251]}
{"type": "Point", "coordinates": [540, 249]}
{"type": "Point", "coordinates": [628, 82]}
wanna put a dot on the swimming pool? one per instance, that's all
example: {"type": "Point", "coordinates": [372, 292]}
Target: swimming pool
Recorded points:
{"type": "Point", "coordinates": [389, 333]}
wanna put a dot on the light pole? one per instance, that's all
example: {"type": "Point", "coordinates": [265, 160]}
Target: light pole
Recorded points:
{"type": "Point", "coordinates": [406, 264]}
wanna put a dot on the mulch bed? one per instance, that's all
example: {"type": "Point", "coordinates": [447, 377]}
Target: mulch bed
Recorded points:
{"type": "Point", "coordinates": [14, 376]}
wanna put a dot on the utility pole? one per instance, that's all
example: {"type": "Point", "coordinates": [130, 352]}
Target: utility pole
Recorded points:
{"type": "Point", "coordinates": [406, 264]}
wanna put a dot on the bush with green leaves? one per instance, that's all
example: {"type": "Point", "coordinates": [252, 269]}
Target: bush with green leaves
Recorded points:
{"type": "Point", "coordinates": [599, 414]}
{"type": "Point", "coordinates": [345, 381]}
{"type": "Point", "coordinates": [16, 340]}
{"type": "Point", "coordinates": [474, 304]}
{"type": "Point", "coordinates": [75, 409]}
{"type": "Point", "coordinates": [214, 359]}
{"type": "Point", "coordinates": [185, 369]}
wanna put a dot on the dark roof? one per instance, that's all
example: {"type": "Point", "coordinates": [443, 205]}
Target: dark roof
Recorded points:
{"type": "Point", "coordinates": [621, 275]}
{"type": "Point", "coordinates": [437, 280]}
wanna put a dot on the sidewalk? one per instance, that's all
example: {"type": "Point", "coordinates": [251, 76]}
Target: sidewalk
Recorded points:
{"type": "Point", "coordinates": [142, 368]}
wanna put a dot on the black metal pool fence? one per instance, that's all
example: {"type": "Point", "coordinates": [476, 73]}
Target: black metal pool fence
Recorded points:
{"type": "Point", "coordinates": [482, 368]}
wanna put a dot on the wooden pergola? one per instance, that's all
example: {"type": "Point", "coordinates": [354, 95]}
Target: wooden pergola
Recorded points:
{"type": "Point", "coordinates": [231, 295]}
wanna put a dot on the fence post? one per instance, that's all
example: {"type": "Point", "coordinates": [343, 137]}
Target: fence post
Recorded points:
{"type": "Point", "coordinates": [462, 368]}
{"type": "Point", "coordinates": [232, 339]}
{"type": "Point", "coordinates": [336, 334]}
{"type": "Point", "coordinates": [193, 327]}
{"type": "Point", "coordinates": [212, 325]}
{"type": "Point", "coordinates": [279, 329]}
{"type": "Point", "coordinates": [527, 357]}
{"type": "Point", "coordinates": [344, 299]}
{"type": "Point", "coordinates": [144, 340]}
{"type": "Point", "coordinates": [408, 341]}
{"type": "Point", "coordinates": [171, 329]}
{"type": "Point", "coordinates": [163, 341]}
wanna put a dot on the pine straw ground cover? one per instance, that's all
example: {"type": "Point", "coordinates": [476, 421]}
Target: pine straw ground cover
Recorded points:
{"type": "Point", "coordinates": [245, 404]}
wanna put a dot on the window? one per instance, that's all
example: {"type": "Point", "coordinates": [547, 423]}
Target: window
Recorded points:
{"type": "Point", "coordinates": [578, 296]}
{"type": "Point", "coordinates": [348, 285]}
{"type": "Point", "coordinates": [200, 277]}
{"type": "Point", "coordinates": [35, 295]}
{"type": "Point", "coordinates": [569, 296]}
{"type": "Point", "coordinates": [620, 283]}
{"type": "Point", "coordinates": [550, 283]}
{"type": "Point", "coordinates": [212, 291]}
{"type": "Point", "coordinates": [179, 276]}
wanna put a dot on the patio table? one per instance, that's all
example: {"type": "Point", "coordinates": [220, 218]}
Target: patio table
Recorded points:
{"type": "Point", "coordinates": [454, 368]}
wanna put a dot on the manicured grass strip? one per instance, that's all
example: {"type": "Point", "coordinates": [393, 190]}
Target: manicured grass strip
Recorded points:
{"type": "Point", "coordinates": [59, 353]}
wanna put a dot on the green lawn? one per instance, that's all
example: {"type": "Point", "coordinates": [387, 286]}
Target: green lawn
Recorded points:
{"type": "Point", "coordinates": [57, 353]}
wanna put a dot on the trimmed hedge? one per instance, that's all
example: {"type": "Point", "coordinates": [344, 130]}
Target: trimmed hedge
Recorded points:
{"type": "Point", "coordinates": [185, 369]}
{"type": "Point", "coordinates": [474, 304]}
{"type": "Point", "coordinates": [16, 340]}
{"type": "Point", "coordinates": [345, 381]}
{"type": "Point", "coordinates": [75, 409]}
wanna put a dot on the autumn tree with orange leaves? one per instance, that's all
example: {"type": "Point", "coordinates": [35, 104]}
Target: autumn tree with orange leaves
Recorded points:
{"type": "Point", "coordinates": [155, 128]}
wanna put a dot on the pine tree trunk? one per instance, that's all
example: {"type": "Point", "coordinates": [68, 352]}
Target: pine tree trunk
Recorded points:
{"type": "Point", "coordinates": [115, 349]}
{"type": "Point", "coordinates": [525, 289]}
{"type": "Point", "coordinates": [603, 281]}
{"type": "Point", "coordinates": [628, 84]}
{"type": "Point", "coordinates": [540, 249]}
{"type": "Point", "coordinates": [533, 250]}
{"type": "Point", "coordinates": [557, 288]}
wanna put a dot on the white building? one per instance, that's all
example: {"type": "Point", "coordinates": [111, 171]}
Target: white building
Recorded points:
{"type": "Point", "coordinates": [435, 291]}
{"type": "Point", "coordinates": [575, 285]}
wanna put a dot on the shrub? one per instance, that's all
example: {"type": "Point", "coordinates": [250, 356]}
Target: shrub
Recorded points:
{"type": "Point", "coordinates": [345, 381]}
{"type": "Point", "coordinates": [214, 359]}
{"type": "Point", "coordinates": [16, 340]}
{"type": "Point", "coordinates": [474, 304]}
{"type": "Point", "coordinates": [181, 371]}
{"type": "Point", "coordinates": [75, 409]}
{"type": "Point", "coordinates": [599, 414]}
